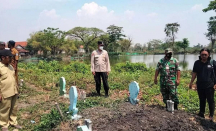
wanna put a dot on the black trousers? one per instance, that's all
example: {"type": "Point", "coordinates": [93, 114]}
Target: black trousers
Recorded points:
{"type": "Point", "coordinates": [209, 95]}
{"type": "Point", "coordinates": [97, 78]}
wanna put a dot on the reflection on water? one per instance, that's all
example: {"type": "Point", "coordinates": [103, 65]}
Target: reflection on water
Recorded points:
{"type": "Point", "coordinates": [186, 61]}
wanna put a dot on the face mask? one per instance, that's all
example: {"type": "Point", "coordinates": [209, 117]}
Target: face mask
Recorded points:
{"type": "Point", "coordinates": [101, 47]}
{"type": "Point", "coordinates": [169, 55]}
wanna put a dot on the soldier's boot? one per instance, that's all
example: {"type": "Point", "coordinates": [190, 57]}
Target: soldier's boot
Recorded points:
{"type": "Point", "coordinates": [201, 115]}
{"type": "Point", "coordinates": [98, 92]}
{"type": "Point", "coordinates": [106, 94]}
{"type": "Point", "coordinates": [176, 106]}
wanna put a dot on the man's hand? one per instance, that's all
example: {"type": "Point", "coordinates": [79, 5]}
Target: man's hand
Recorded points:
{"type": "Point", "coordinates": [155, 81]}
{"type": "Point", "coordinates": [107, 73]}
{"type": "Point", "coordinates": [190, 85]}
{"type": "Point", "coordinates": [215, 86]}
{"type": "Point", "coordinates": [93, 73]}
{"type": "Point", "coordinates": [0, 98]}
{"type": "Point", "coordinates": [177, 82]}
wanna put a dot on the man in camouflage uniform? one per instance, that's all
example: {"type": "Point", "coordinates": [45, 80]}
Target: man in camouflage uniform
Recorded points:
{"type": "Point", "coordinates": [168, 67]}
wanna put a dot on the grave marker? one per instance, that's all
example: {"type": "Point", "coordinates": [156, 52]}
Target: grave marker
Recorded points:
{"type": "Point", "coordinates": [82, 95]}
{"type": "Point", "coordinates": [73, 102]}
{"type": "Point", "coordinates": [170, 106]}
{"type": "Point", "coordinates": [62, 91]}
{"type": "Point", "coordinates": [134, 91]}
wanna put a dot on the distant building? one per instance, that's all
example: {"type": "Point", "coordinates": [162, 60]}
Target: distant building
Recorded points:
{"type": "Point", "coordinates": [81, 50]}
{"type": "Point", "coordinates": [21, 48]}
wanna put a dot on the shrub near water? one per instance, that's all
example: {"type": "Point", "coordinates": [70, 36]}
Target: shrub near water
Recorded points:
{"type": "Point", "coordinates": [130, 67]}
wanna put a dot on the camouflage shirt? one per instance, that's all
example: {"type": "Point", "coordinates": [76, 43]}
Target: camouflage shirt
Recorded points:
{"type": "Point", "coordinates": [168, 70]}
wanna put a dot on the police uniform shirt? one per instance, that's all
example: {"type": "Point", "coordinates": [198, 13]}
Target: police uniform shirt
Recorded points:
{"type": "Point", "coordinates": [205, 76]}
{"type": "Point", "coordinates": [100, 61]}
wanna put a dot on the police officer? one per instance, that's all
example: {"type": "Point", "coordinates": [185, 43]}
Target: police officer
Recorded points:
{"type": "Point", "coordinates": [8, 92]}
{"type": "Point", "coordinates": [204, 70]}
{"type": "Point", "coordinates": [2, 45]}
{"type": "Point", "coordinates": [168, 67]}
{"type": "Point", "coordinates": [100, 67]}
{"type": "Point", "coordinates": [14, 63]}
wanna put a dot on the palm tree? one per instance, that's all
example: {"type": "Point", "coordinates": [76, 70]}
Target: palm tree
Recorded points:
{"type": "Point", "coordinates": [171, 29]}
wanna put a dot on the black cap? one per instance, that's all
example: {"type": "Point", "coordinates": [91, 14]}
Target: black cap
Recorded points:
{"type": "Point", "coordinates": [11, 42]}
{"type": "Point", "coordinates": [5, 53]}
{"type": "Point", "coordinates": [100, 43]}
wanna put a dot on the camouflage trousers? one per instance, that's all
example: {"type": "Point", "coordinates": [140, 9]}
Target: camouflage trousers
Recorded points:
{"type": "Point", "coordinates": [169, 92]}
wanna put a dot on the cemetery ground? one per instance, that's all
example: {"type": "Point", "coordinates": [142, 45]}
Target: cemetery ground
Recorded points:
{"type": "Point", "coordinates": [40, 92]}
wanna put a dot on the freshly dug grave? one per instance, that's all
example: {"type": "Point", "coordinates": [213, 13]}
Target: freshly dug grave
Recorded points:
{"type": "Point", "coordinates": [127, 117]}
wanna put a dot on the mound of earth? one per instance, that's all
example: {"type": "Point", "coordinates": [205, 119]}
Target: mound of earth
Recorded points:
{"type": "Point", "coordinates": [127, 117]}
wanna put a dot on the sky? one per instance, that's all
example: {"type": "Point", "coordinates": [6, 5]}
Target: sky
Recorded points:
{"type": "Point", "coordinates": [142, 20]}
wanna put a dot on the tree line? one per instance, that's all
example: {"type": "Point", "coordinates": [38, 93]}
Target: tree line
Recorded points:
{"type": "Point", "coordinates": [54, 41]}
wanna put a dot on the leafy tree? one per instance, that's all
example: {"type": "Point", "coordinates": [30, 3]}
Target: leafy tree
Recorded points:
{"type": "Point", "coordinates": [86, 35]}
{"type": "Point", "coordinates": [183, 44]}
{"type": "Point", "coordinates": [211, 6]}
{"type": "Point", "coordinates": [137, 47]}
{"type": "Point", "coordinates": [171, 29]}
{"type": "Point", "coordinates": [105, 39]}
{"type": "Point", "coordinates": [144, 48]}
{"type": "Point", "coordinates": [198, 46]}
{"type": "Point", "coordinates": [164, 46]}
{"type": "Point", "coordinates": [211, 34]}
{"type": "Point", "coordinates": [154, 44]}
{"type": "Point", "coordinates": [125, 44]}
{"type": "Point", "coordinates": [69, 47]}
{"type": "Point", "coordinates": [34, 42]}
{"type": "Point", "coordinates": [115, 34]}
{"type": "Point", "coordinates": [51, 39]}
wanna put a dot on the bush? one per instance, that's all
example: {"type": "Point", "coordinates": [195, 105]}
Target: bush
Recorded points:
{"type": "Point", "coordinates": [51, 120]}
{"type": "Point", "coordinates": [130, 67]}
{"type": "Point", "coordinates": [77, 67]}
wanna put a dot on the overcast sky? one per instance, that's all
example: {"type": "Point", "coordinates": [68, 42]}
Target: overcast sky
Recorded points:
{"type": "Point", "coordinates": [142, 20]}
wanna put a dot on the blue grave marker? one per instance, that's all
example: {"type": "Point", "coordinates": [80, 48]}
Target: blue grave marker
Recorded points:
{"type": "Point", "coordinates": [134, 92]}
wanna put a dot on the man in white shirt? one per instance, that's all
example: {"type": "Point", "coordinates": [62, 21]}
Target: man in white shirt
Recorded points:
{"type": "Point", "coordinates": [100, 67]}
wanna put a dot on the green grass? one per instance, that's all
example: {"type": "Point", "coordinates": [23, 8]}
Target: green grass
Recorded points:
{"type": "Point", "coordinates": [47, 74]}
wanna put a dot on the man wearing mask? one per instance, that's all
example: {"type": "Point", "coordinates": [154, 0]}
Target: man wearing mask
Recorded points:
{"type": "Point", "coordinates": [14, 63]}
{"type": "Point", "coordinates": [2, 45]}
{"type": "Point", "coordinates": [8, 92]}
{"type": "Point", "coordinates": [204, 70]}
{"type": "Point", "coordinates": [169, 70]}
{"type": "Point", "coordinates": [100, 67]}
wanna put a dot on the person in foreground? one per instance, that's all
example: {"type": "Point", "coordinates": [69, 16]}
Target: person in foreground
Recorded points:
{"type": "Point", "coordinates": [168, 67]}
{"type": "Point", "coordinates": [100, 67]}
{"type": "Point", "coordinates": [8, 92]}
{"type": "Point", "coordinates": [204, 70]}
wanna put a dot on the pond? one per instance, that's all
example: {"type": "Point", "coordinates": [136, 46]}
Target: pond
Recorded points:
{"type": "Point", "coordinates": [186, 61]}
